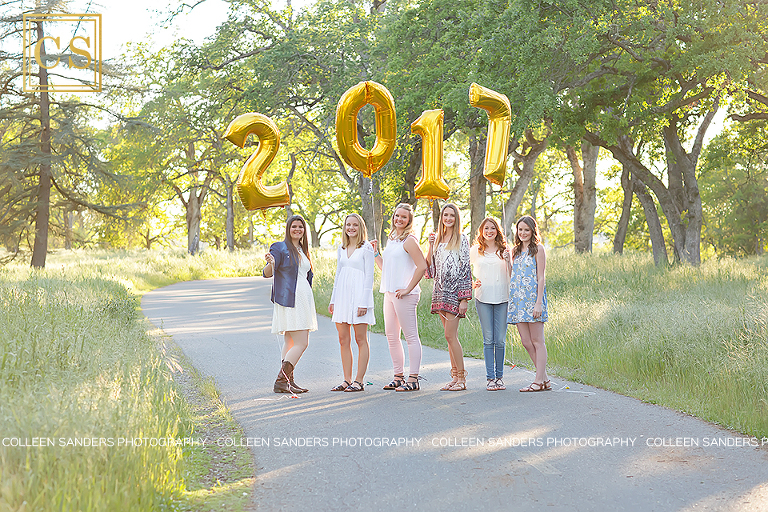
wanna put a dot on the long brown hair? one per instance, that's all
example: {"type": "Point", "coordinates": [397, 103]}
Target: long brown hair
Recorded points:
{"type": "Point", "coordinates": [408, 229]}
{"type": "Point", "coordinates": [362, 233]}
{"type": "Point", "coordinates": [501, 242]}
{"type": "Point", "coordinates": [453, 239]}
{"type": "Point", "coordinates": [303, 243]}
{"type": "Point", "coordinates": [533, 244]}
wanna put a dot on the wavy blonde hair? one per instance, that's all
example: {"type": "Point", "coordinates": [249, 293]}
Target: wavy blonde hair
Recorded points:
{"type": "Point", "coordinates": [362, 233]}
{"type": "Point", "coordinates": [452, 239]}
{"type": "Point", "coordinates": [408, 229]}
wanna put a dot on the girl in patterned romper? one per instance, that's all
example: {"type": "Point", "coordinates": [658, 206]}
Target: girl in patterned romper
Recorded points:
{"type": "Point", "coordinates": [528, 298]}
{"type": "Point", "coordinates": [448, 263]}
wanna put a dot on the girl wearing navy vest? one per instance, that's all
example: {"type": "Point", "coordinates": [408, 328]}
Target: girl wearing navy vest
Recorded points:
{"type": "Point", "coordinates": [294, 305]}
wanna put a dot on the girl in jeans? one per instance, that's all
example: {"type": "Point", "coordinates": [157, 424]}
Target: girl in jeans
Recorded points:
{"type": "Point", "coordinates": [490, 257]}
{"type": "Point", "coordinates": [402, 266]}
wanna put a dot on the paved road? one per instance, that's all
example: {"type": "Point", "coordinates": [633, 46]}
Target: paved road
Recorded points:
{"type": "Point", "coordinates": [575, 449]}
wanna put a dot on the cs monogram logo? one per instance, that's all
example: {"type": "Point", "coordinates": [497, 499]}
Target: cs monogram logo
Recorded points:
{"type": "Point", "coordinates": [70, 51]}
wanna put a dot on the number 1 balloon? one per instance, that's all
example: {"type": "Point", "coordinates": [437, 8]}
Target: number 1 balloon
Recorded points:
{"type": "Point", "coordinates": [429, 126]}
{"type": "Point", "coordinates": [253, 193]}
{"type": "Point", "coordinates": [499, 121]}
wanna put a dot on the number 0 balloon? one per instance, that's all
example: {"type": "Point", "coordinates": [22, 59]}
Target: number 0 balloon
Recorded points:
{"type": "Point", "coordinates": [253, 193]}
{"type": "Point", "coordinates": [356, 97]}
{"type": "Point", "coordinates": [499, 121]}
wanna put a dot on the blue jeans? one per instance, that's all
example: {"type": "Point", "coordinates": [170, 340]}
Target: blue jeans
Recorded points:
{"type": "Point", "coordinates": [493, 321]}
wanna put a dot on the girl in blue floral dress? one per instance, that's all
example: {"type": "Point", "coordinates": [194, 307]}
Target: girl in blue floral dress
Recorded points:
{"type": "Point", "coordinates": [528, 297]}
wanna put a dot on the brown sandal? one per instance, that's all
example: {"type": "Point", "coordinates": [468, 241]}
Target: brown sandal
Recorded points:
{"type": "Point", "coordinates": [448, 386]}
{"type": "Point", "coordinates": [532, 389]}
{"type": "Point", "coordinates": [461, 381]}
{"type": "Point", "coordinates": [341, 387]}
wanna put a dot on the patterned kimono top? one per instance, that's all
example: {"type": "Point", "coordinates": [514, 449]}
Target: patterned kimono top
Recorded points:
{"type": "Point", "coordinates": [452, 273]}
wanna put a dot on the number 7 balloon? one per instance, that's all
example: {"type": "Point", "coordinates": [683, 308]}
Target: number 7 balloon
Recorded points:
{"type": "Point", "coordinates": [253, 193]}
{"type": "Point", "coordinates": [499, 121]}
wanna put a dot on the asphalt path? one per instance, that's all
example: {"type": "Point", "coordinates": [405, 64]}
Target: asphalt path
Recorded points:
{"type": "Point", "coordinates": [576, 448]}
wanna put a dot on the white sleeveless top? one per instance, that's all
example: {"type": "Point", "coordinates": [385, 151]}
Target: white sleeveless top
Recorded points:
{"type": "Point", "coordinates": [397, 269]}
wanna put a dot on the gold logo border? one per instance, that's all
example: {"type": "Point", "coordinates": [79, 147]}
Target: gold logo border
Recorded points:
{"type": "Point", "coordinates": [28, 19]}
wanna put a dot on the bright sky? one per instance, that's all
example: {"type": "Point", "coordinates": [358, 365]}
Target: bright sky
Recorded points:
{"type": "Point", "coordinates": [141, 20]}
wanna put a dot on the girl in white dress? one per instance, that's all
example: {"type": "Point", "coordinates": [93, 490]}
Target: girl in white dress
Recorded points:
{"type": "Point", "coordinates": [293, 314]}
{"type": "Point", "coordinates": [352, 299]}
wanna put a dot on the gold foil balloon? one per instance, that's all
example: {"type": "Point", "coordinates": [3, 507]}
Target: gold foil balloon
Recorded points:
{"type": "Point", "coordinates": [429, 126]}
{"type": "Point", "coordinates": [364, 93]}
{"type": "Point", "coordinates": [499, 121]}
{"type": "Point", "coordinates": [253, 193]}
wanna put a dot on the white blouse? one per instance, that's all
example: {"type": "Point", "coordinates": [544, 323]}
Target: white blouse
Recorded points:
{"type": "Point", "coordinates": [397, 268]}
{"type": "Point", "coordinates": [492, 273]}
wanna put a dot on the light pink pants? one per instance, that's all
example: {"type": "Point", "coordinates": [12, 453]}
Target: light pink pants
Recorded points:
{"type": "Point", "coordinates": [401, 314]}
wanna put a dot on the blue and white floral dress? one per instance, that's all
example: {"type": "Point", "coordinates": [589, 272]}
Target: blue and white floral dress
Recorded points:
{"type": "Point", "coordinates": [523, 291]}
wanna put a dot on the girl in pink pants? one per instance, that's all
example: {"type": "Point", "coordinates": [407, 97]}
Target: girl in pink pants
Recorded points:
{"type": "Point", "coordinates": [402, 266]}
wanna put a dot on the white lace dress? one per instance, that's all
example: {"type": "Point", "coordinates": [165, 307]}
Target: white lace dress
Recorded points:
{"type": "Point", "coordinates": [353, 286]}
{"type": "Point", "coordinates": [301, 317]}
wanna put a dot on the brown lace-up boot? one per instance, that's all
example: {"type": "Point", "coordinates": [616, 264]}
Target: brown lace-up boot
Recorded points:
{"type": "Point", "coordinates": [295, 387]}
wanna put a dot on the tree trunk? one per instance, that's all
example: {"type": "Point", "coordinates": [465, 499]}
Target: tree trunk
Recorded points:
{"type": "Point", "coordinates": [42, 209]}
{"type": "Point", "coordinates": [524, 165]}
{"type": "Point", "coordinates": [626, 212]}
{"type": "Point", "coordinates": [477, 182]}
{"type": "Point", "coordinates": [408, 194]}
{"type": "Point", "coordinates": [658, 244]}
{"type": "Point", "coordinates": [69, 221]}
{"type": "Point", "coordinates": [194, 216]}
{"type": "Point", "coordinates": [230, 229]}
{"type": "Point", "coordinates": [680, 202]}
{"type": "Point", "coordinates": [250, 230]}
{"type": "Point", "coordinates": [435, 215]}
{"type": "Point", "coordinates": [534, 196]}
{"type": "Point", "coordinates": [584, 194]}
{"type": "Point", "coordinates": [684, 187]}
{"type": "Point", "coordinates": [314, 234]}
{"type": "Point", "coordinates": [147, 240]}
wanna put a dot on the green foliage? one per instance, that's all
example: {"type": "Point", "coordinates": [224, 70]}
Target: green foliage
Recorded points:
{"type": "Point", "coordinates": [734, 190]}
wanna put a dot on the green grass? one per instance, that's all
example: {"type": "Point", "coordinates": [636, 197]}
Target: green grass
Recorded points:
{"type": "Point", "coordinates": [76, 362]}
{"type": "Point", "coordinates": [693, 339]}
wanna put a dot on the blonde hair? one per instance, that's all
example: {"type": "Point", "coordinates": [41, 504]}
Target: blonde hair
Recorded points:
{"type": "Point", "coordinates": [408, 229]}
{"type": "Point", "coordinates": [453, 239]}
{"type": "Point", "coordinates": [362, 233]}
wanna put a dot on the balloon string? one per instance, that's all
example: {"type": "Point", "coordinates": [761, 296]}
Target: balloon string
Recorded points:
{"type": "Point", "coordinates": [373, 207]}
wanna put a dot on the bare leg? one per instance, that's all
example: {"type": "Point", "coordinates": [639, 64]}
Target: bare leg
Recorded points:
{"type": "Point", "coordinates": [454, 379]}
{"type": "Point", "coordinates": [361, 337]}
{"type": "Point", "coordinates": [287, 344]}
{"type": "Point", "coordinates": [525, 337]}
{"type": "Point", "coordinates": [299, 345]}
{"type": "Point", "coordinates": [451, 329]}
{"type": "Point", "coordinates": [540, 350]}
{"type": "Point", "coordinates": [345, 342]}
